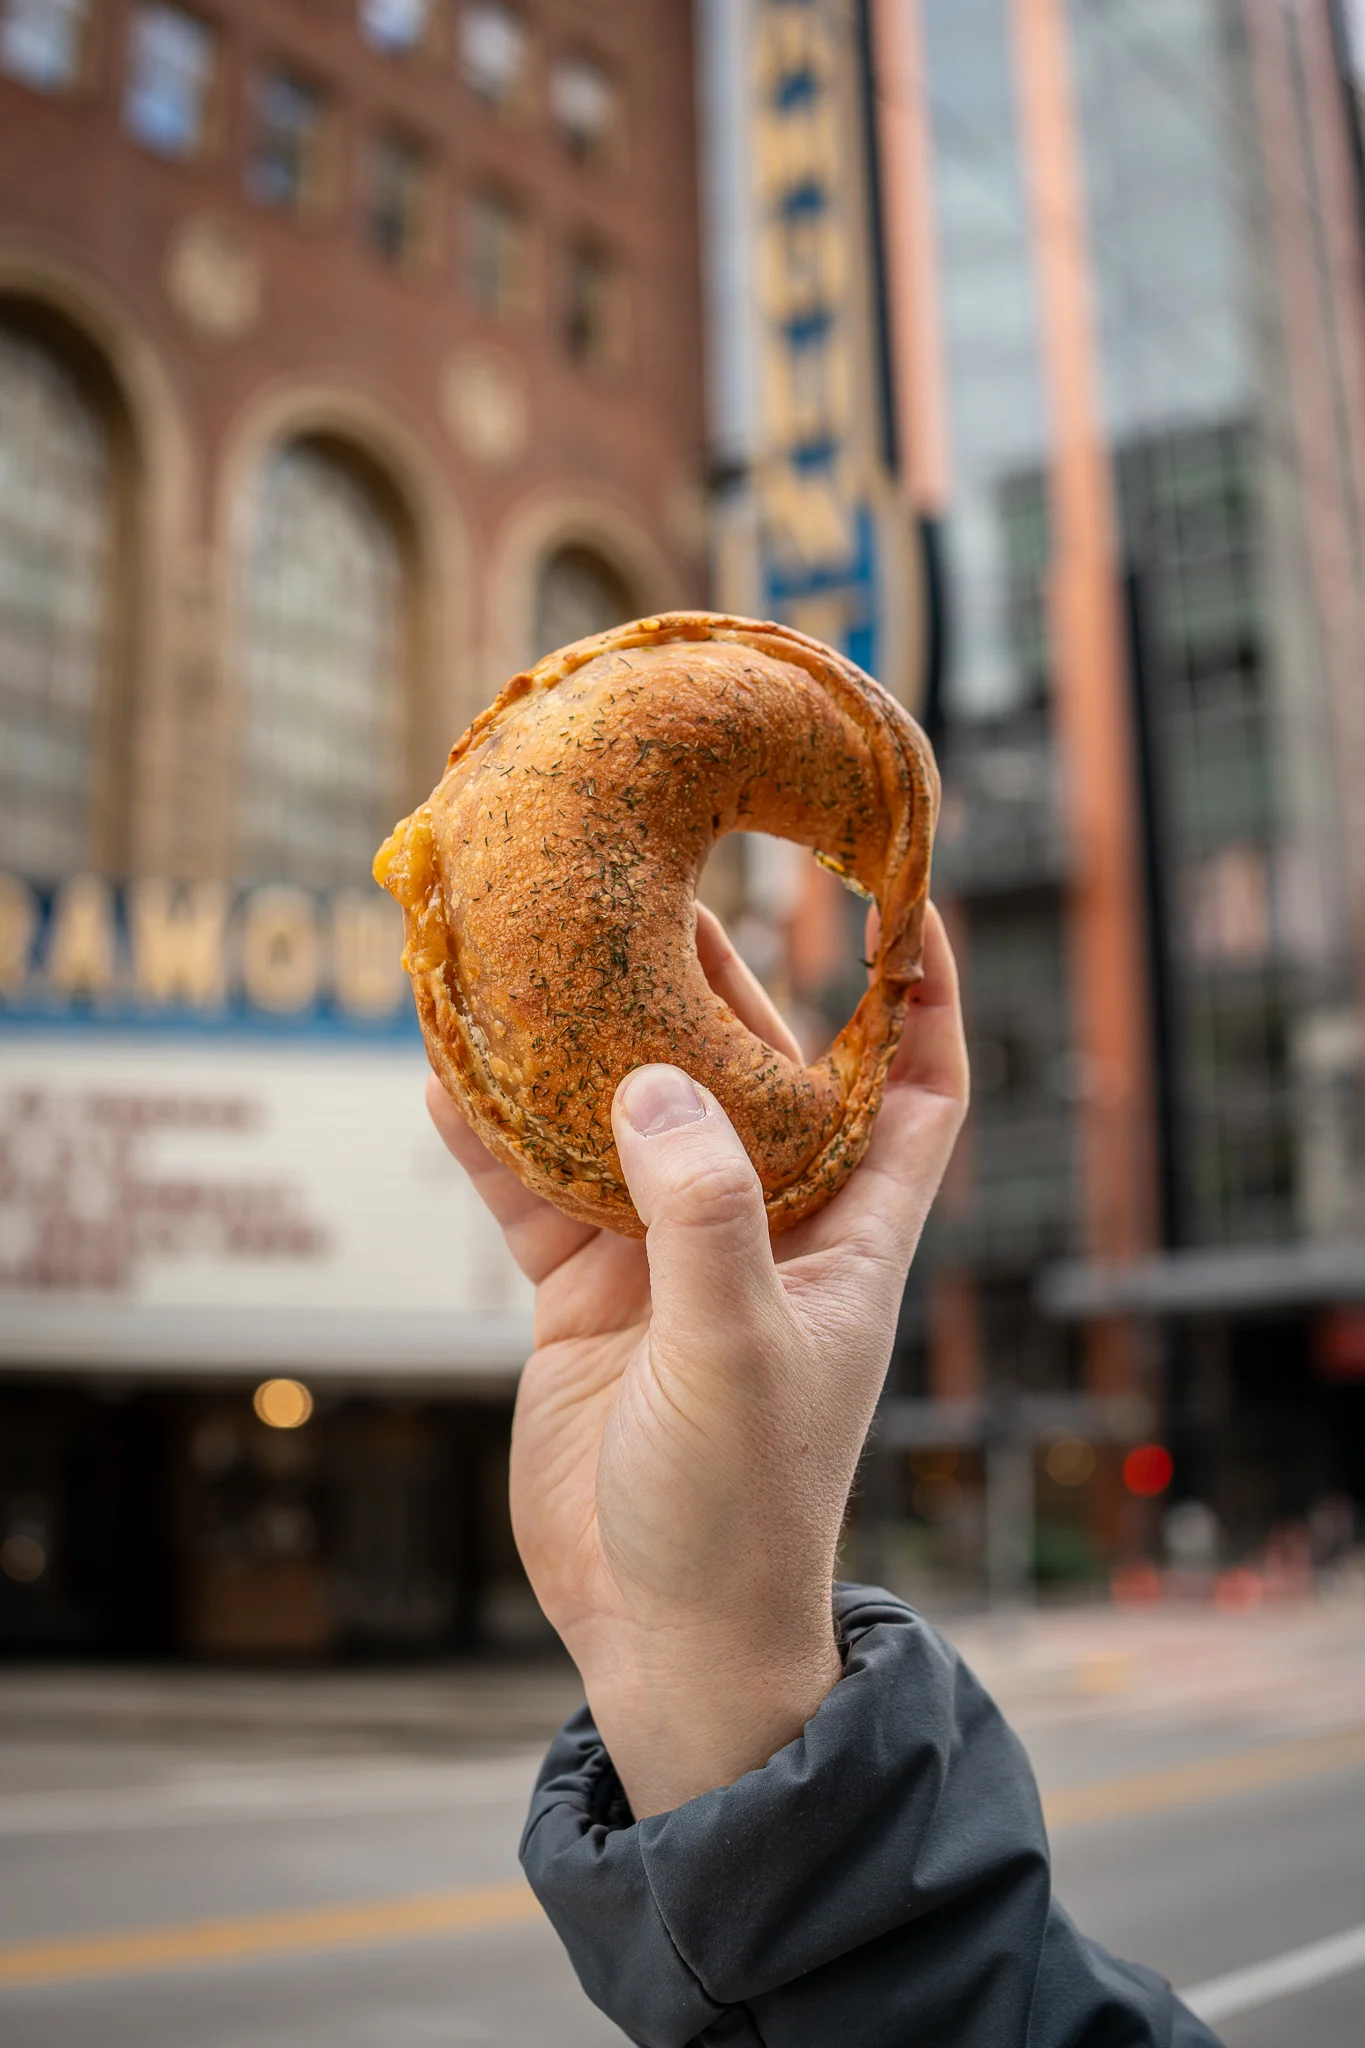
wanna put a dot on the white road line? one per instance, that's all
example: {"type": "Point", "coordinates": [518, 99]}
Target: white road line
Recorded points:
{"type": "Point", "coordinates": [1243, 1990]}
{"type": "Point", "coordinates": [273, 1795]}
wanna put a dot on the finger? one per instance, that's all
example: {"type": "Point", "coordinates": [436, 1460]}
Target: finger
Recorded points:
{"type": "Point", "coordinates": [538, 1236]}
{"type": "Point", "coordinates": [881, 1210]}
{"type": "Point", "coordinates": [932, 1053]}
{"type": "Point", "coordinates": [710, 1261]}
{"type": "Point", "coordinates": [736, 984]}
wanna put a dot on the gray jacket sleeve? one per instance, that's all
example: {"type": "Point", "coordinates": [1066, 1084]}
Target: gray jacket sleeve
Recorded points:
{"type": "Point", "coordinates": [884, 1880]}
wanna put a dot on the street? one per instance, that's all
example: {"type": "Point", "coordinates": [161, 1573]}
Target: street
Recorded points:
{"type": "Point", "coordinates": [242, 1883]}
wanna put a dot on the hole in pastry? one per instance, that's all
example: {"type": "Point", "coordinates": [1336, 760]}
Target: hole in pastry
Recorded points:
{"type": "Point", "coordinates": [796, 925]}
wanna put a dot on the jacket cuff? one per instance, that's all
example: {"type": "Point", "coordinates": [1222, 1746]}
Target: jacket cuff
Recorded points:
{"type": "Point", "coordinates": [582, 1852]}
{"type": "Point", "coordinates": [864, 1823]}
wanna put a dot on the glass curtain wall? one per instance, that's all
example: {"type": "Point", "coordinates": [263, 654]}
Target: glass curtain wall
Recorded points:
{"type": "Point", "coordinates": [1002, 852]}
{"type": "Point", "coordinates": [1192, 383]}
{"type": "Point", "coordinates": [1181, 229]}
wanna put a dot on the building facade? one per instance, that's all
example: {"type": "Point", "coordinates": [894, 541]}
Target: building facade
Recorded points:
{"type": "Point", "coordinates": [1148, 309]}
{"type": "Point", "coordinates": [1108, 311]}
{"type": "Point", "coordinates": [349, 359]}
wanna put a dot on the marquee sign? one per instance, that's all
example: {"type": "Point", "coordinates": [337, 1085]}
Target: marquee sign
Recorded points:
{"type": "Point", "coordinates": [214, 1152]}
{"type": "Point", "coordinates": [210, 1206]}
{"type": "Point", "coordinates": [201, 955]}
{"type": "Point", "coordinates": [834, 553]}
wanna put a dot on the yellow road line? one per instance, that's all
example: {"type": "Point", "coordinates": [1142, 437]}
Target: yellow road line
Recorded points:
{"type": "Point", "coordinates": [1219, 1777]}
{"type": "Point", "coordinates": [200, 1943]}
{"type": "Point", "coordinates": [131, 1951]}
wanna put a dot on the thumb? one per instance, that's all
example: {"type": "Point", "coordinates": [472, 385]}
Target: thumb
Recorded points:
{"type": "Point", "coordinates": [711, 1267]}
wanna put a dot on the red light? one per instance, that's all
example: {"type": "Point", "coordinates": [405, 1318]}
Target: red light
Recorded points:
{"type": "Point", "coordinates": [1147, 1470]}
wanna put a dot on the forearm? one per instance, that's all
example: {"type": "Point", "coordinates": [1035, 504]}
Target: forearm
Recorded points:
{"type": "Point", "coordinates": [687, 1714]}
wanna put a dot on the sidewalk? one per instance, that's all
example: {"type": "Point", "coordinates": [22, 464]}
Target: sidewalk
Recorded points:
{"type": "Point", "coordinates": [1293, 1669]}
{"type": "Point", "coordinates": [1283, 1669]}
{"type": "Point", "coordinates": [451, 1710]}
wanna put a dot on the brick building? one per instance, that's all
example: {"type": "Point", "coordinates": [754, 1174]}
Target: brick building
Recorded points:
{"type": "Point", "coordinates": [349, 357]}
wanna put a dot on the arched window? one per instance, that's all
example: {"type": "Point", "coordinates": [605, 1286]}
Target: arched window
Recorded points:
{"type": "Point", "coordinates": [56, 552]}
{"type": "Point", "coordinates": [578, 593]}
{"type": "Point", "coordinates": [325, 670]}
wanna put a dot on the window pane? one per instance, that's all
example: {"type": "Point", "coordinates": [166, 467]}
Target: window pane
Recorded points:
{"type": "Point", "coordinates": [577, 594]}
{"type": "Point", "coordinates": [286, 153]}
{"type": "Point", "coordinates": [42, 41]}
{"type": "Point", "coordinates": [493, 50]}
{"type": "Point", "coordinates": [170, 72]}
{"type": "Point", "coordinates": [583, 101]}
{"type": "Point", "coordinates": [395, 24]}
{"type": "Point", "coordinates": [498, 254]}
{"type": "Point", "coordinates": [593, 311]}
{"type": "Point", "coordinates": [55, 549]}
{"type": "Point", "coordinates": [324, 673]}
{"type": "Point", "coordinates": [398, 192]}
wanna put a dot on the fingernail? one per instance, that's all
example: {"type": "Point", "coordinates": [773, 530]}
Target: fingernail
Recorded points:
{"type": "Point", "coordinates": [659, 1099]}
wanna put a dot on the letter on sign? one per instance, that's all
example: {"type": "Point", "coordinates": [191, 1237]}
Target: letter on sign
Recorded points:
{"type": "Point", "coordinates": [81, 954]}
{"type": "Point", "coordinates": [367, 943]}
{"type": "Point", "coordinates": [18, 922]}
{"type": "Point", "coordinates": [281, 949]}
{"type": "Point", "coordinates": [178, 942]}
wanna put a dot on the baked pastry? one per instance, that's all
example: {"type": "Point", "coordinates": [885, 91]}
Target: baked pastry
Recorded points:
{"type": "Point", "coordinates": [548, 889]}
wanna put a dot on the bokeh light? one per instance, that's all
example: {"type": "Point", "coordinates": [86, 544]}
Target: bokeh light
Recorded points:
{"type": "Point", "coordinates": [1070, 1461]}
{"type": "Point", "coordinates": [1147, 1470]}
{"type": "Point", "coordinates": [22, 1558]}
{"type": "Point", "coordinates": [1238, 1590]}
{"type": "Point", "coordinates": [283, 1404]}
{"type": "Point", "coordinates": [1135, 1584]}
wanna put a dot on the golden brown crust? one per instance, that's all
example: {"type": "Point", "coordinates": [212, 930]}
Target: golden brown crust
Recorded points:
{"type": "Point", "coordinates": [548, 889]}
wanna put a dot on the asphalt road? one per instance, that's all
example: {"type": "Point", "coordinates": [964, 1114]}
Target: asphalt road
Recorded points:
{"type": "Point", "coordinates": [212, 1894]}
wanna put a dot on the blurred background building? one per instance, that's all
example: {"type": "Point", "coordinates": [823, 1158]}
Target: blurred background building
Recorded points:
{"type": "Point", "coordinates": [349, 358]}
{"type": "Point", "coordinates": [1099, 269]}
{"type": "Point", "coordinates": [1147, 238]}
{"type": "Point", "coordinates": [352, 352]}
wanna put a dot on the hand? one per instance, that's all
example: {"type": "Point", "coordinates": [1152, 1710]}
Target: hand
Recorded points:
{"type": "Point", "coordinates": [689, 1423]}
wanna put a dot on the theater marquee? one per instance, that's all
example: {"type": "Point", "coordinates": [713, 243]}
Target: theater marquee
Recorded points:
{"type": "Point", "coordinates": [200, 953]}
{"type": "Point", "coordinates": [214, 1156]}
{"type": "Point", "coordinates": [811, 523]}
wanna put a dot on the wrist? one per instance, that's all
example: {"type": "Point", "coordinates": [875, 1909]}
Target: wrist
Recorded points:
{"type": "Point", "coordinates": [683, 1712]}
